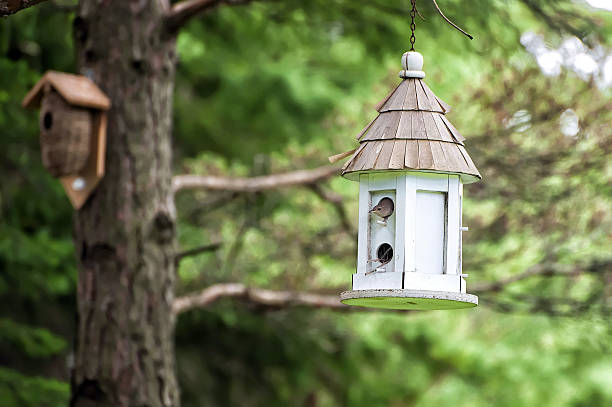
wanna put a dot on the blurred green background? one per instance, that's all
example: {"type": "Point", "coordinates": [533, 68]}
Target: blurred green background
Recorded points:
{"type": "Point", "coordinates": [279, 85]}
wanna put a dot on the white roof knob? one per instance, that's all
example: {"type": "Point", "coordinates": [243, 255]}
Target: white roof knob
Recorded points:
{"type": "Point", "coordinates": [412, 65]}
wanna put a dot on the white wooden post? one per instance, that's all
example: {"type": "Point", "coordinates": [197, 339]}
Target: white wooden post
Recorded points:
{"type": "Point", "coordinates": [454, 224]}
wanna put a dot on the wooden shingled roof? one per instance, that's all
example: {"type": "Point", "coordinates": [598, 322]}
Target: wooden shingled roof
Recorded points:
{"type": "Point", "coordinates": [411, 132]}
{"type": "Point", "coordinates": [77, 90]}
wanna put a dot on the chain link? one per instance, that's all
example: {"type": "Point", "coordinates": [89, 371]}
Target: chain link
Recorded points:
{"type": "Point", "coordinates": [412, 24]}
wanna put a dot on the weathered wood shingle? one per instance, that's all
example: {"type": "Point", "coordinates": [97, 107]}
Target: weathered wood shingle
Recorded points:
{"type": "Point", "coordinates": [411, 132]}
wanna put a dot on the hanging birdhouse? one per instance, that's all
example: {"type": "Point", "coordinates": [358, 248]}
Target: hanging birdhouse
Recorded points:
{"type": "Point", "coordinates": [411, 166]}
{"type": "Point", "coordinates": [72, 131]}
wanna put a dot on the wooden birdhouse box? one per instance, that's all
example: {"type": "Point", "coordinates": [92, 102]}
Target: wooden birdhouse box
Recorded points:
{"type": "Point", "coordinates": [72, 131]}
{"type": "Point", "coordinates": [411, 165]}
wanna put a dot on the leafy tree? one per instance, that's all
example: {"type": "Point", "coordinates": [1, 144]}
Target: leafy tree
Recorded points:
{"type": "Point", "coordinates": [269, 87]}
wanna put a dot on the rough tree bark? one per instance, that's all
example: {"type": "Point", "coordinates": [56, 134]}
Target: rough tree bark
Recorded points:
{"type": "Point", "coordinates": [125, 233]}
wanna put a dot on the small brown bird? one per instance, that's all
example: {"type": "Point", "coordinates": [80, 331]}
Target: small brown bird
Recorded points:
{"type": "Point", "coordinates": [384, 208]}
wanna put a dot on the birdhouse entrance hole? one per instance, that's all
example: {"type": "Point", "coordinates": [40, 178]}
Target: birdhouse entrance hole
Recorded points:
{"type": "Point", "coordinates": [385, 252]}
{"type": "Point", "coordinates": [48, 121]}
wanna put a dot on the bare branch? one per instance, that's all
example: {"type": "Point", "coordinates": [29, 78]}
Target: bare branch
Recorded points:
{"type": "Point", "coordinates": [197, 250]}
{"type": "Point", "coordinates": [256, 295]}
{"type": "Point", "coordinates": [8, 7]}
{"type": "Point", "coordinates": [544, 270]}
{"type": "Point", "coordinates": [253, 184]}
{"type": "Point", "coordinates": [284, 299]}
{"type": "Point", "coordinates": [183, 11]}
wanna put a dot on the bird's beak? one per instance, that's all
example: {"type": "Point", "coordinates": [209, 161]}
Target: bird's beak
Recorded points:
{"type": "Point", "coordinates": [371, 210]}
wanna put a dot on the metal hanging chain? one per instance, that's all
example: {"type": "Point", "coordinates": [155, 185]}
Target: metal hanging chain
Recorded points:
{"type": "Point", "coordinates": [412, 24]}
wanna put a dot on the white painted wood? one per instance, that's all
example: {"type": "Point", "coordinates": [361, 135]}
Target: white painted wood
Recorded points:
{"type": "Point", "coordinates": [400, 222]}
{"type": "Point", "coordinates": [460, 265]}
{"type": "Point", "coordinates": [432, 182]}
{"type": "Point", "coordinates": [430, 232]}
{"type": "Point", "coordinates": [364, 219]}
{"type": "Point", "coordinates": [381, 233]}
{"type": "Point", "coordinates": [409, 182]}
{"type": "Point", "coordinates": [434, 282]}
{"type": "Point", "coordinates": [376, 281]}
{"type": "Point", "coordinates": [453, 226]}
{"type": "Point", "coordinates": [424, 231]}
{"type": "Point", "coordinates": [382, 181]}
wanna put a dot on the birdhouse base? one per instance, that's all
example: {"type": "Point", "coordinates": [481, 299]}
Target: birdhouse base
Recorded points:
{"type": "Point", "coordinates": [408, 299]}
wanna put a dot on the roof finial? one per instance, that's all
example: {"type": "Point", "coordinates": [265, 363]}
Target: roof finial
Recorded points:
{"type": "Point", "coordinates": [412, 65]}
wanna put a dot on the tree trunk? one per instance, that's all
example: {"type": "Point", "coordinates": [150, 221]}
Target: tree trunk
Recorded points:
{"type": "Point", "coordinates": [125, 233]}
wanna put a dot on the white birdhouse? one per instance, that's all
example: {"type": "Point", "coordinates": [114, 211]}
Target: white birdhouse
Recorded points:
{"type": "Point", "coordinates": [411, 165]}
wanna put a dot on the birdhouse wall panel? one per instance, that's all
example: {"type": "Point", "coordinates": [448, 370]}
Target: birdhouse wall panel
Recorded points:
{"type": "Point", "coordinates": [65, 135]}
{"type": "Point", "coordinates": [430, 232]}
{"type": "Point", "coordinates": [407, 194]}
{"type": "Point", "coordinates": [453, 226]}
{"type": "Point", "coordinates": [428, 181]}
{"type": "Point", "coordinates": [378, 281]}
{"type": "Point", "coordinates": [362, 240]}
{"type": "Point", "coordinates": [381, 233]}
{"type": "Point", "coordinates": [381, 181]}
{"type": "Point", "coordinates": [460, 260]}
{"type": "Point", "coordinates": [433, 282]}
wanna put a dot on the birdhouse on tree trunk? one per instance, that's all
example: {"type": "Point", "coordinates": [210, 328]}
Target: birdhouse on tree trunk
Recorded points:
{"type": "Point", "coordinates": [72, 131]}
{"type": "Point", "coordinates": [411, 165]}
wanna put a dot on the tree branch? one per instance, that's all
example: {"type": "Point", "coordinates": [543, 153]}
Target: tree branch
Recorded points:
{"type": "Point", "coordinates": [284, 299]}
{"type": "Point", "coordinates": [544, 270]}
{"type": "Point", "coordinates": [259, 296]}
{"type": "Point", "coordinates": [8, 7]}
{"type": "Point", "coordinates": [253, 184]}
{"type": "Point", "coordinates": [183, 11]}
{"type": "Point", "coordinates": [197, 250]}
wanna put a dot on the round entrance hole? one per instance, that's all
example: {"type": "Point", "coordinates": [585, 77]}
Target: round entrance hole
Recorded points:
{"type": "Point", "coordinates": [47, 120]}
{"type": "Point", "coordinates": [385, 253]}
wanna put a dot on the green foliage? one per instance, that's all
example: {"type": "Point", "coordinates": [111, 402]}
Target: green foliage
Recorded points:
{"type": "Point", "coordinates": [37, 267]}
{"type": "Point", "coordinates": [270, 86]}
{"type": "Point", "coordinates": [34, 342]}
{"type": "Point", "coordinates": [17, 390]}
